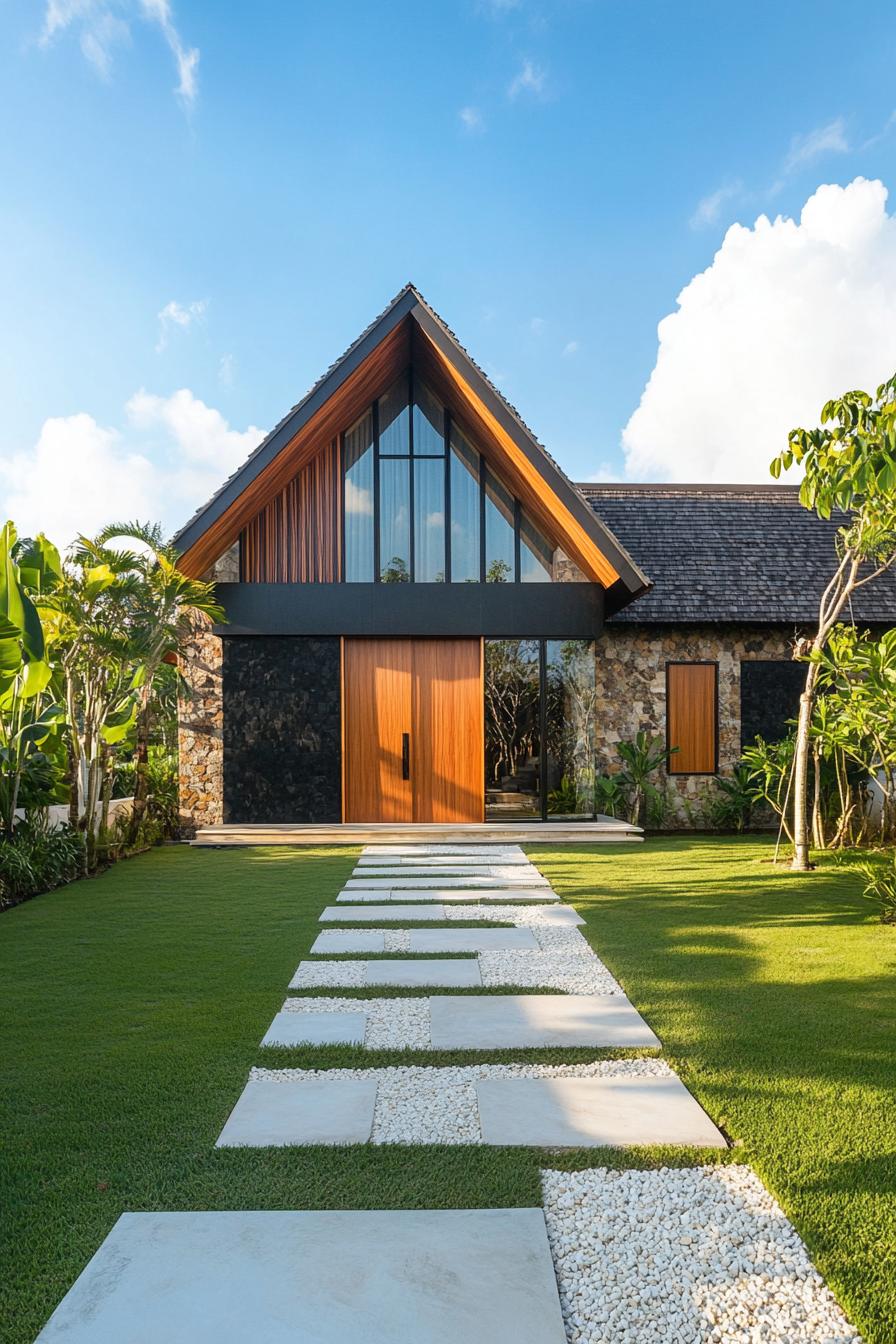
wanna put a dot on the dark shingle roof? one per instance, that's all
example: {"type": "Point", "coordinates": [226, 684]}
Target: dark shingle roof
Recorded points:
{"type": "Point", "coordinates": [729, 553]}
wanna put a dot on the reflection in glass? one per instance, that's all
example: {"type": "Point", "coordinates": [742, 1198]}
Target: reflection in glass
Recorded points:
{"type": "Point", "coordinates": [464, 509]}
{"type": "Point", "coordinates": [395, 520]}
{"type": "Point", "coordinates": [358, 501]}
{"type": "Point", "coordinates": [536, 554]}
{"type": "Point", "coordinates": [429, 422]}
{"type": "Point", "coordinates": [570, 727]}
{"type": "Point", "coordinates": [500, 565]}
{"type": "Point", "coordinates": [512, 742]}
{"type": "Point", "coordinates": [394, 420]}
{"type": "Point", "coordinates": [429, 520]}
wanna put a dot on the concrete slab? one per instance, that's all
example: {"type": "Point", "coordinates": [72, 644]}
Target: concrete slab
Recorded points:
{"type": "Point", "coordinates": [316, 1029]}
{"type": "Point", "coordinates": [512, 1021]}
{"type": "Point", "coordinates": [409, 851]}
{"type": "Point", "coordinates": [472, 940]}
{"type": "Point", "coordinates": [442, 860]}
{"type": "Point", "coordinates": [349, 940]}
{"type": "Point", "coordinates": [370, 914]}
{"type": "Point", "coordinates": [424, 879]}
{"type": "Point", "coordinates": [450, 973]}
{"type": "Point", "coordinates": [272, 1114]}
{"type": "Point", "coordinates": [363, 894]}
{"type": "Point", "coordinates": [592, 1112]}
{"type": "Point", "coordinates": [481, 1276]}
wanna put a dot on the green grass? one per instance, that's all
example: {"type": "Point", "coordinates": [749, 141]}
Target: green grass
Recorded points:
{"type": "Point", "coordinates": [134, 1005]}
{"type": "Point", "coordinates": [775, 998]}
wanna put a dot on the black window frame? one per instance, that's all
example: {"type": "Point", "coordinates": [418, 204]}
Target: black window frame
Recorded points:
{"type": "Point", "coordinates": [410, 457]}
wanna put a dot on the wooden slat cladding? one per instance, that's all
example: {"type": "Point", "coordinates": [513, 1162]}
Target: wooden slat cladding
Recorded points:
{"type": "Point", "coordinates": [692, 707]}
{"type": "Point", "coordinates": [295, 537]}
{"type": "Point", "coordinates": [509, 461]}
{"type": "Point", "coordinates": [381, 367]}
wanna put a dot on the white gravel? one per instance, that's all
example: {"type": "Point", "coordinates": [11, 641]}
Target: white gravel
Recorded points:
{"type": "Point", "coordinates": [392, 1024]}
{"type": "Point", "coordinates": [698, 1254]}
{"type": "Point", "coordinates": [397, 940]}
{"type": "Point", "coordinates": [549, 970]}
{"type": "Point", "coordinates": [333, 974]}
{"type": "Point", "coordinates": [437, 1105]}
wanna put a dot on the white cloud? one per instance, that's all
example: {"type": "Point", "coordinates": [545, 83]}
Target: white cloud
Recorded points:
{"type": "Point", "coordinates": [177, 315]}
{"type": "Point", "coordinates": [710, 207]}
{"type": "Point", "coordinates": [530, 79]}
{"type": "Point", "coordinates": [570, 348]}
{"type": "Point", "coordinates": [358, 499]}
{"type": "Point", "coordinates": [536, 325]}
{"type": "Point", "coordinates": [471, 120]}
{"type": "Point", "coordinates": [104, 24]}
{"type": "Point", "coordinates": [226, 369]}
{"type": "Point", "coordinates": [829, 139]}
{"type": "Point", "coordinates": [170, 455]}
{"type": "Point", "coordinates": [788, 314]}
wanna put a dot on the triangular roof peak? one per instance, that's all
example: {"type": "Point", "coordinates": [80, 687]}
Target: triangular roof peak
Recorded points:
{"type": "Point", "coordinates": [410, 330]}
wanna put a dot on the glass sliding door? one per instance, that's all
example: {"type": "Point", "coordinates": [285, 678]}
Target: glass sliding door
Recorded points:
{"type": "Point", "coordinates": [570, 703]}
{"type": "Point", "coordinates": [357, 501]}
{"type": "Point", "coordinates": [512, 729]}
{"type": "Point", "coordinates": [540, 729]}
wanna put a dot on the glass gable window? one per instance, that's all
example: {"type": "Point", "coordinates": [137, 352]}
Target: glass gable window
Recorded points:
{"type": "Point", "coordinates": [465, 510]}
{"type": "Point", "coordinates": [421, 506]}
{"type": "Point", "coordinates": [500, 545]}
{"type": "Point", "coordinates": [358, 500]}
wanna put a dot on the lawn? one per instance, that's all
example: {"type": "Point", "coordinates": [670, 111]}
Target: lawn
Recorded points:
{"type": "Point", "coordinates": [135, 1004]}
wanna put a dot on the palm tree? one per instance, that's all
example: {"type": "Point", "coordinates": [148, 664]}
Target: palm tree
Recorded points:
{"type": "Point", "coordinates": [165, 607]}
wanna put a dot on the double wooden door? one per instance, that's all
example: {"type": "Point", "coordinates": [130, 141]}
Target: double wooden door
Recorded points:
{"type": "Point", "coordinates": [413, 729]}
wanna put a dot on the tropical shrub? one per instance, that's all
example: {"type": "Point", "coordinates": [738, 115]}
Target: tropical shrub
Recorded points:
{"type": "Point", "coordinates": [880, 885]}
{"type": "Point", "coordinates": [640, 759]}
{"type": "Point", "coordinates": [38, 857]}
{"type": "Point", "coordinates": [731, 807]}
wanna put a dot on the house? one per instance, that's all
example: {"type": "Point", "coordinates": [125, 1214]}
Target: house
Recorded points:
{"type": "Point", "coordinates": [428, 622]}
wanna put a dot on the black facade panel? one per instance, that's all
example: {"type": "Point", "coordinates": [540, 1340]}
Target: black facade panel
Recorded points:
{"type": "Point", "coordinates": [282, 730]}
{"type": "Point", "coordinates": [769, 696]}
{"type": "Point", "coordinates": [433, 610]}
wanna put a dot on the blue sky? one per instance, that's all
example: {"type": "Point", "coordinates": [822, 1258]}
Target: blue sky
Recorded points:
{"type": "Point", "coordinates": [550, 175]}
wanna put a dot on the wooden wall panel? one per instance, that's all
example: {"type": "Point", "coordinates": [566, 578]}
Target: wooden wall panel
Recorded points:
{"type": "Point", "coordinates": [377, 711]}
{"type": "Point", "coordinates": [296, 536]}
{"type": "Point", "coordinates": [692, 717]}
{"type": "Point", "coordinates": [447, 744]}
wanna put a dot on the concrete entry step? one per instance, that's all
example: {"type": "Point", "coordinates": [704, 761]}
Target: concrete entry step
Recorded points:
{"type": "Point", "coordinates": [522, 1021]}
{"type": "Point", "coordinates": [606, 830]}
{"type": "Point", "coordinates": [480, 1276]}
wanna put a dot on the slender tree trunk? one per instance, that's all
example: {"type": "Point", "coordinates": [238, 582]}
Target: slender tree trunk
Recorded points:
{"type": "Point", "coordinates": [818, 838]}
{"type": "Point", "coordinates": [141, 764]}
{"type": "Point", "coordinates": [801, 862]}
{"type": "Point", "coordinates": [107, 759]}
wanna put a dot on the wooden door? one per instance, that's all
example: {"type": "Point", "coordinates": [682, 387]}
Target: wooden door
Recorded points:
{"type": "Point", "coordinates": [430, 690]}
{"type": "Point", "coordinates": [376, 715]}
{"type": "Point", "coordinates": [448, 741]}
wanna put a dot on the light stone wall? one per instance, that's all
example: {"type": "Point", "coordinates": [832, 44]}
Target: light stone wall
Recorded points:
{"type": "Point", "coordinates": [631, 695]}
{"type": "Point", "coordinates": [200, 731]}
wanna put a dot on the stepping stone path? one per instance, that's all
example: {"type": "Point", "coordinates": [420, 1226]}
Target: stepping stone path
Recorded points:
{"type": "Point", "coordinates": [625, 1273]}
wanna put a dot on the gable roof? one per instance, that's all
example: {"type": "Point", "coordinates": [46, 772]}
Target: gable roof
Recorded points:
{"type": "Point", "coordinates": [580, 530]}
{"type": "Point", "coordinates": [730, 553]}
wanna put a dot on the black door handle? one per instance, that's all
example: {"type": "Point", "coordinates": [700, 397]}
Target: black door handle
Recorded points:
{"type": "Point", "coordinates": [405, 755]}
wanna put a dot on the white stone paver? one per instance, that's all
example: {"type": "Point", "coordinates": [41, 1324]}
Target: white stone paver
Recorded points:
{"type": "Point", "coordinates": [373, 914]}
{"type": "Point", "coordinates": [316, 1029]}
{"type": "Point", "coordinates": [454, 972]}
{"type": "Point", "coordinates": [328, 1110]}
{"type": "Point", "coordinates": [441, 860]}
{"type": "Point", "coordinates": [446, 1276]}
{"type": "Point", "coordinates": [455, 873]}
{"type": "Point", "coordinates": [392, 1024]}
{"type": "Point", "coordinates": [593, 1113]}
{"type": "Point", "coordinates": [571, 973]}
{"type": "Point", "coordinates": [494, 850]}
{"type": "Point", "coordinates": [531, 916]}
{"type": "Point", "coordinates": [471, 940]}
{"type": "Point", "coordinates": [425, 1104]}
{"type": "Point", "coordinates": [367, 895]}
{"type": "Point", "coordinates": [349, 940]}
{"type": "Point", "coordinates": [699, 1255]}
{"type": "Point", "coordinates": [424, 879]}
{"type": "Point", "coordinates": [521, 1021]}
